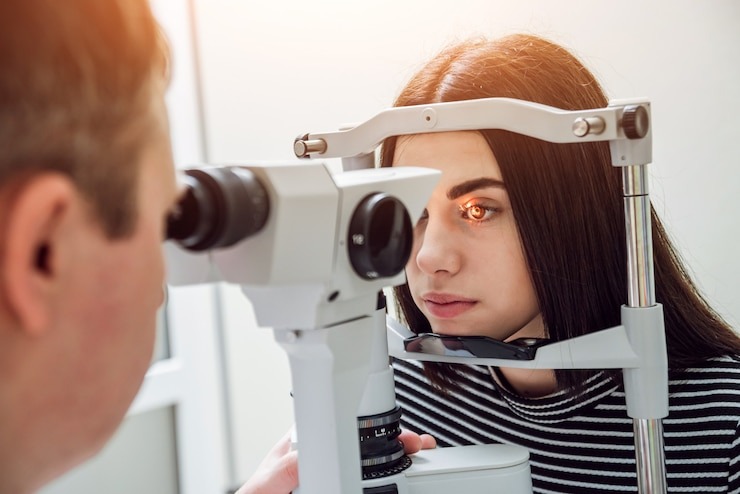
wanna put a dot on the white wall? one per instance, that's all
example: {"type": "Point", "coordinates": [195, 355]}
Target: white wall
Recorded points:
{"type": "Point", "coordinates": [274, 70]}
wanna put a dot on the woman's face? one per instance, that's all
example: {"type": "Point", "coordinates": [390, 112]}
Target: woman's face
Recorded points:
{"type": "Point", "coordinates": [467, 271]}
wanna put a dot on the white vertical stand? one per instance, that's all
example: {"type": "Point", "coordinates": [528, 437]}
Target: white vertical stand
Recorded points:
{"type": "Point", "coordinates": [626, 126]}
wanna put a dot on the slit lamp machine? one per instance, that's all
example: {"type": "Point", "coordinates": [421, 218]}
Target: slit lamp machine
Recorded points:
{"type": "Point", "coordinates": [313, 249]}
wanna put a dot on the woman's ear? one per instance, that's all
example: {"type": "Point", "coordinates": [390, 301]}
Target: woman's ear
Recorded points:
{"type": "Point", "coordinates": [33, 216]}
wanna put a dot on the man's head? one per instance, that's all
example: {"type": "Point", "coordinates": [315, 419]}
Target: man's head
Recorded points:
{"type": "Point", "coordinates": [75, 87]}
{"type": "Point", "coordinates": [86, 181]}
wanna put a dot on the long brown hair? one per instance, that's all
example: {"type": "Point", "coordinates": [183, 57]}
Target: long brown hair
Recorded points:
{"type": "Point", "coordinates": [567, 202]}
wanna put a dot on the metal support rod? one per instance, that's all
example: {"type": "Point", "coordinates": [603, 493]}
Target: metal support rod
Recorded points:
{"type": "Point", "coordinates": [640, 275]}
{"type": "Point", "coordinates": [649, 448]}
{"type": "Point", "coordinates": [651, 474]}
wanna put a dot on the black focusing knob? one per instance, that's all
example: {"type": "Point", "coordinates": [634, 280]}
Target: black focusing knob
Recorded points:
{"type": "Point", "coordinates": [380, 237]}
{"type": "Point", "coordinates": [635, 121]}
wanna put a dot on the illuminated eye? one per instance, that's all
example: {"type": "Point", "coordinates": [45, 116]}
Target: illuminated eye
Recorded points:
{"type": "Point", "coordinates": [476, 212]}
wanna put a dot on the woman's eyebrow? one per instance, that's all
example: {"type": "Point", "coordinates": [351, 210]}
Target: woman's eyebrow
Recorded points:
{"type": "Point", "coordinates": [469, 186]}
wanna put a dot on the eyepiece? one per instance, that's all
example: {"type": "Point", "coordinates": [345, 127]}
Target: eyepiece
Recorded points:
{"type": "Point", "coordinates": [220, 207]}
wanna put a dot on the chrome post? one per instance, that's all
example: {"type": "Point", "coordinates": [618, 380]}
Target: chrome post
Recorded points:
{"type": "Point", "coordinates": [649, 445]}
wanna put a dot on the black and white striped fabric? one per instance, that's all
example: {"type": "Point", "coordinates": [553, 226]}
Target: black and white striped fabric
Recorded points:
{"type": "Point", "coordinates": [586, 446]}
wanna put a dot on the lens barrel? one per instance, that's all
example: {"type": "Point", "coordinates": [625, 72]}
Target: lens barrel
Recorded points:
{"type": "Point", "coordinates": [381, 452]}
{"type": "Point", "coordinates": [220, 207]}
{"type": "Point", "coordinates": [379, 237]}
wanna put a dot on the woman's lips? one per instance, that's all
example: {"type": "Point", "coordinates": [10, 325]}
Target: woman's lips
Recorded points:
{"type": "Point", "coordinates": [445, 306]}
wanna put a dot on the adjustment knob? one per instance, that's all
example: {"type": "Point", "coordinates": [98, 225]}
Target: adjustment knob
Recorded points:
{"type": "Point", "coordinates": [380, 237]}
{"type": "Point", "coordinates": [635, 121]}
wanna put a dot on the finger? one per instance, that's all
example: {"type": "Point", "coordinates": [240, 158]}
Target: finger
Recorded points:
{"type": "Point", "coordinates": [280, 477]}
{"type": "Point", "coordinates": [428, 441]}
{"type": "Point", "coordinates": [282, 446]}
{"type": "Point", "coordinates": [287, 472]}
{"type": "Point", "coordinates": [411, 442]}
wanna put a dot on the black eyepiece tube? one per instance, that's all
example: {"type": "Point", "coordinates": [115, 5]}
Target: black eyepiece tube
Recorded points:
{"type": "Point", "coordinates": [220, 207]}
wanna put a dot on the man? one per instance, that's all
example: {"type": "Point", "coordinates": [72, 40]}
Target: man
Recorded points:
{"type": "Point", "coordinates": [86, 181]}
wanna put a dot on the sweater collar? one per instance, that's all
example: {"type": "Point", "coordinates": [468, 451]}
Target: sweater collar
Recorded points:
{"type": "Point", "coordinates": [560, 405]}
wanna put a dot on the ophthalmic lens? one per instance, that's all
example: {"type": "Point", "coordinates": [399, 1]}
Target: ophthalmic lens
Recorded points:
{"type": "Point", "coordinates": [220, 207]}
{"type": "Point", "coordinates": [380, 236]}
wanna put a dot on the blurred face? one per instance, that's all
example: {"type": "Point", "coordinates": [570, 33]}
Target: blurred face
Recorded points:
{"type": "Point", "coordinates": [117, 290]}
{"type": "Point", "coordinates": [467, 272]}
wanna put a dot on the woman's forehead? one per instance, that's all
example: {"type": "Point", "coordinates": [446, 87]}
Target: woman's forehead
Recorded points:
{"type": "Point", "coordinates": [459, 155]}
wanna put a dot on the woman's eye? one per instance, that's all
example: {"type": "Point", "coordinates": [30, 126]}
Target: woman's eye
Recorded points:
{"type": "Point", "coordinates": [421, 222]}
{"type": "Point", "coordinates": [477, 212]}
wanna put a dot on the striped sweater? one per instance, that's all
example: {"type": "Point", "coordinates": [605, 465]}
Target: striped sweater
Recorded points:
{"type": "Point", "coordinates": [588, 446]}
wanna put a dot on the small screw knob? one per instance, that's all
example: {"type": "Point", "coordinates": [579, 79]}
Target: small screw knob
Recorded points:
{"type": "Point", "coordinates": [589, 125]}
{"type": "Point", "coordinates": [303, 146]}
{"type": "Point", "coordinates": [635, 121]}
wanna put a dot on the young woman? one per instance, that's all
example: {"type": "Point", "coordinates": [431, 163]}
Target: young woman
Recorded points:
{"type": "Point", "coordinates": [525, 238]}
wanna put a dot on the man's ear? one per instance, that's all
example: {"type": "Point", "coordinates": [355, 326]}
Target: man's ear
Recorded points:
{"type": "Point", "coordinates": [33, 217]}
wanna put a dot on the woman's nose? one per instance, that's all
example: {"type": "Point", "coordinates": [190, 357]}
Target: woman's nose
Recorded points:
{"type": "Point", "coordinates": [435, 249]}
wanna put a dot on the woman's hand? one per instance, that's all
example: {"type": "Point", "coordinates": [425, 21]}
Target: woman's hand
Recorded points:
{"type": "Point", "coordinates": [278, 472]}
{"type": "Point", "coordinates": [413, 442]}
